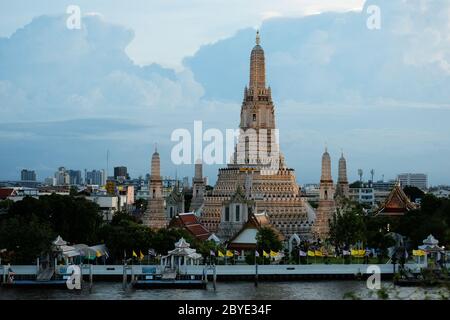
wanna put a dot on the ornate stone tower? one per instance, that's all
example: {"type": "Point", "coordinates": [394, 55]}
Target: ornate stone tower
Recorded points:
{"type": "Point", "coordinates": [342, 187]}
{"type": "Point", "coordinates": [257, 141]}
{"type": "Point", "coordinates": [257, 179]}
{"type": "Point", "coordinates": [198, 186]}
{"type": "Point", "coordinates": [154, 216]}
{"type": "Point", "coordinates": [327, 205]}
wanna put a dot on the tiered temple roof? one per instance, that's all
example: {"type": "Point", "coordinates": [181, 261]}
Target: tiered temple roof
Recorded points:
{"type": "Point", "coordinates": [396, 204]}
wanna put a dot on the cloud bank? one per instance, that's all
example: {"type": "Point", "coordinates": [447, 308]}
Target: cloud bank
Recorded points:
{"type": "Point", "coordinates": [381, 95]}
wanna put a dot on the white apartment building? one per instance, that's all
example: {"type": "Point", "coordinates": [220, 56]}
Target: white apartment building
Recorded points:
{"type": "Point", "coordinates": [419, 180]}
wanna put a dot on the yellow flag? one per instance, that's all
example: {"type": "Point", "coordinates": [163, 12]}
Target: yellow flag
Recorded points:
{"type": "Point", "coordinates": [265, 254]}
{"type": "Point", "coordinates": [273, 253]}
{"type": "Point", "coordinates": [141, 255]}
{"type": "Point", "coordinates": [134, 254]}
{"type": "Point", "coordinates": [418, 253]}
{"type": "Point", "coordinates": [362, 252]}
{"type": "Point", "coordinates": [220, 254]}
{"type": "Point", "coordinates": [355, 252]}
{"type": "Point", "coordinates": [229, 253]}
{"type": "Point", "coordinates": [98, 254]}
{"type": "Point", "coordinates": [311, 253]}
{"type": "Point", "coordinates": [318, 253]}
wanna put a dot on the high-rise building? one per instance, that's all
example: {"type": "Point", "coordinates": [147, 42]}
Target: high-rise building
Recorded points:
{"type": "Point", "coordinates": [96, 177]}
{"type": "Point", "coordinates": [419, 180]}
{"type": "Point", "coordinates": [120, 172]}
{"type": "Point", "coordinates": [62, 177]}
{"type": "Point", "coordinates": [50, 181]}
{"type": "Point", "coordinates": [75, 177]}
{"type": "Point", "coordinates": [185, 182]}
{"type": "Point", "coordinates": [28, 175]}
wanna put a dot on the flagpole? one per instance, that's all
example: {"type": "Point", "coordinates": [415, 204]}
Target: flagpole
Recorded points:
{"type": "Point", "coordinates": [256, 270]}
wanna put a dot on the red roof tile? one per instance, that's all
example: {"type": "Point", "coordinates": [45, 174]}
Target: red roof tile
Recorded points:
{"type": "Point", "coordinates": [190, 222]}
{"type": "Point", "coordinates": [5, 193]}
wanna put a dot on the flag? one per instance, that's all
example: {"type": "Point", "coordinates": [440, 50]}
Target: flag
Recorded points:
{"type": "Point", "coordinates": [345, 252]}
{"type": "Point", "coordinates": [98, 254]}
{"type": "Point", "coordinates": [212, 253]}
{"type": "Point", "coordinates": [229, 253]}
{"type": "Point", "coordinates": [141, 255]}
{"type": "Point", "coordinates": [151, 252]}
{"type": "Point", "coordinates": [256, 253]}
{"type": "Point", "coordinates": [265, 254]}
{"type": "Point", "coordinates": [273, 253]}
{"type": "Point", "coordinates": [318, 253]}
{"type": "Point", "coordinates": [361, 252]}
{"type": "Point", "coordinates": [311, 253]}
{"type": "Point", "coordinates": [220, 253]}
{"type": "Point", "coordinates": [302, 253]}
{"type": "Point", "coordinates": [419, 253]}
{"type": "Point", "coordinates": [236, 253]}
{"type": "Point", "coordinates": [134, 254]}
{"type": "Point", "coordinates": [354, 252]}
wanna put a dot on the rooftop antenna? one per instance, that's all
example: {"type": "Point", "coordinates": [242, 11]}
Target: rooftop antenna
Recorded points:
{"type": "Point", "coordinates": [360, 174]}
{"type": "Point", "coordinates": [107, 163]}
{"type": "Point", "coordinates": [372, 173]}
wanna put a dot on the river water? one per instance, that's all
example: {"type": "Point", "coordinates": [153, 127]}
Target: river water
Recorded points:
{"type": "Point", "coordinates": [296, 290]}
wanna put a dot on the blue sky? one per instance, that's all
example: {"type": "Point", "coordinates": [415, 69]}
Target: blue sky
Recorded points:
{"type": "Point", "coordinates": [135, 72]}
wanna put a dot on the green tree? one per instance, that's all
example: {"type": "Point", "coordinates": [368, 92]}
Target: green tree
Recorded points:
{"type": "Point", "coordinates": [124, 234]}
{"type": "Point", "coordinates": [164, 239]}
{"type": "Point", "coordinates": [348, 227]}
{"type": "Point", "coordinates": [413, 193]}
{"type": "Point", "coordinates": [26, 236]}
{"type": "Point", "coordinates": [76, 219]}
{"type": "Point", "coordinates": [141, 205]}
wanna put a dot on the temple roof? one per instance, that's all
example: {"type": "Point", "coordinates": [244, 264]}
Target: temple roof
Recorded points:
{"type": "Point", "coordinates": [254, 223]}
{"type": "Point", "coordinates": [396, 204]}
{"type": "Point", "coordinates": [190, 222]}
{"type": "Point", "coordinates": [5, 193]}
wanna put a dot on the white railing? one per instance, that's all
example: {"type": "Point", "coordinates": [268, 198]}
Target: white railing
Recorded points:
{"type": "Point", "coordinates": [325, 269]}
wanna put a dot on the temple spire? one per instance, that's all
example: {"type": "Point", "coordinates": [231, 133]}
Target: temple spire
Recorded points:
{"type": "Point", "coordinates": [257, 67]}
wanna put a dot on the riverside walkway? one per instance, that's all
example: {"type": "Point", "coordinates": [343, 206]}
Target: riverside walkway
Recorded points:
{"type": "Point", "coordinates": [236, 272]}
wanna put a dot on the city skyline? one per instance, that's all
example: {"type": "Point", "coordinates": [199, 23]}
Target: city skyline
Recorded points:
{"type": "Point", "coordinates": [381, 115]}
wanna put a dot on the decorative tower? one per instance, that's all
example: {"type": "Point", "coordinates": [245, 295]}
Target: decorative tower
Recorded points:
{"type": "Point", "coordinates": [198, 186]}
{"type": "Point", "coordinates": [257, 179]}
{"type": "Point", "coordinates": [327, 206]}
{"type": "Point", "coordinates": [154, 216]}
{"type": "Point", "coordinates": [257, 145]}
{"type": "Point", "coordinates": [342, 187]}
